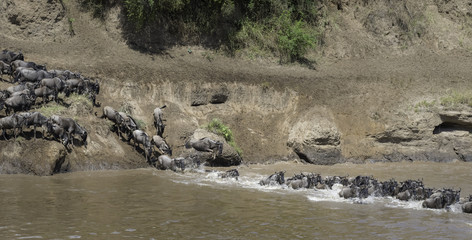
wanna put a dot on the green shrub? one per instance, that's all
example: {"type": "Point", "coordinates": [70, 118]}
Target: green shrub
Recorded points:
{"type": "Point", "coordinates": [455, 99]}
{"type": "Point", "coordinates": [140, 124]}
{"type": "Point", "coordinates": [293, 39]}
{"type": "Point", "coordinates": [217, 127]}
{"type": "Point", "coordinates": [261, 28]}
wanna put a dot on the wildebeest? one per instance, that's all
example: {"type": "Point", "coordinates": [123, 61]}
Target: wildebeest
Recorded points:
{"type": "Point", "coordinates": [9, 122]}
{"type": "Point", "coordinates": [5, 68]}
{"type": "Point", "coordinates": [71, 127]}
{"type": "Point", "coordinates": [9, 56]}
{"type": "Point", "coordinates": [44, 92]}
{"type": "Point", "coordinates": [206, 145]}
{"type": "Point", "coordinates": [35, 119]}
{"type": "Point", "coordinates": [65, 74]}
{"type": "Point", "coordinates": [30, 75]}
{"type": "Point", "coordinates": [110, 114]}
{"type": "Point", "coordinates": [275, 179]}
{"type": "Point", "coordinates": [4, 94]}
{"type": "Point", "coordinates": [22, 87]}
{"type": "Point", "coordinates": [26, 92]}
{"type": "Point", "coordinates": [53, 83]}
{"type": "Point", "coordinates": [140, 137]}
{"type": "Point", "coordinates": [233, 173]}
{"type": "Point", "coordinates": [161, 145]}
{"type": "Point", "coordinates": [19, 103]}
{"type": "Point", "coordinates": [125, 123]}
{"type": "Point", "coordinates": [74, 85]}
{"type": "Point", "coordinates": [158, 120]}
{"type": "Point", "coordinates": [442, 198]}
{"type": "Point", "coordinates": [165, 162]}
{"type": "Point", "coordinates": [57, 132]}
{"type": "Point", "coordinates": [20, 63]}
{"type": "Point", "coordinates": [92, 86]}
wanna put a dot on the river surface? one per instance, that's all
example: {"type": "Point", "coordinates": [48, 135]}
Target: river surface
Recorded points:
{"type": "Point", "coordinates": [153, 204]}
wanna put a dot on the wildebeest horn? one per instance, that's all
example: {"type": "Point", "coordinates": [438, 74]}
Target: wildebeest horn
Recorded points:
{"type": "Point", "coordinates": [164, 106]}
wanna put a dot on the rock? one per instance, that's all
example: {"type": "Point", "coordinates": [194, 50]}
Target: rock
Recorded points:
{"type": "Point", "coordinates": [467, 207]}
{"type": "Point", "coordinates": [316, 140]}
{"type": "Point", "coordinates": [23, 157]}
{"type": "Point", "coordinates": [229, 157]}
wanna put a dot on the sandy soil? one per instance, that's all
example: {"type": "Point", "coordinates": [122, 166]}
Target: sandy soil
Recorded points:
{"type": "Point", "coordinates": [360, 91]}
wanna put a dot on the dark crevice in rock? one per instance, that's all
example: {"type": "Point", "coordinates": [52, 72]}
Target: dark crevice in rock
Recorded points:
{"type": "Point", "coordinates": [302, 156]}
{"type": "Point", "coordinates": [450, 127]}
{"type": "Point", "coordinates": [58, 164]}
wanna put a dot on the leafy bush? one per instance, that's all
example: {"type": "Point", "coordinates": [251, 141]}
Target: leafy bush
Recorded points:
{"type": "Point", "coordinates": [97, 7]}
{"type": "Point", "coordinates": [217, 127]}
{"type": "Point", "coordinates": [283, 28]}
{"type": "Point", "coordinates": [293, 40]}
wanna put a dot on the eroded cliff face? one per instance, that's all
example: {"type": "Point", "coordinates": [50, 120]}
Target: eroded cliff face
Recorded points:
{"type": "Point", "coordinates": [353, 109]}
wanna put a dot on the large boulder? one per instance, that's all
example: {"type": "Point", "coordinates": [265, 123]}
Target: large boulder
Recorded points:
{"type": "Point", "coordinates": [229, 157]}
{"type": "Point", "coordinates": [38, 157]}
{"type": "Point", "coordinates": [315, 139]}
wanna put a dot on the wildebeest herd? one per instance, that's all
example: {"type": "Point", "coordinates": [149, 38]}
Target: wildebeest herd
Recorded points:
{"type": "Point", "coordinates": [361, 187]}
{"type": "Point", "coordinates": [155, 148]}
{"type": "Point", "coordinates": [32, 81]}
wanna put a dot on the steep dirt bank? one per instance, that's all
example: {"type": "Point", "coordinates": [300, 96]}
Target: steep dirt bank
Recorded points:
{"type": "Point", "coordinates": [356, 109]}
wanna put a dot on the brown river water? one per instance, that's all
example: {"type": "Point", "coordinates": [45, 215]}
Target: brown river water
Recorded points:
{"type": "Point", "coordinates": [153, 204]}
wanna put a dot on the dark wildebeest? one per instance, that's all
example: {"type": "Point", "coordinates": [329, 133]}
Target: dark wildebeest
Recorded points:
{"type": "Point", "coordinates": [9, 122]}
{"type": "Point", "coordinates": [58, 133]}
{"type": "Point", "coordinates": [161, 145]}
{"type": "Point", "coordinates": [44, 92]}
{"type": "Point", "coordinates": [36, 119]}
{"type": "Point", "coordinates": [158, 120]}
{"type": "Point", "coordinates": [26, 92]}
{"type": "Point", "coordinates": [53, 83]}
{"type": "Point", "coordinates": [4, 94]}
{"type": "Point", "coordinates": [233, 173]}
{"type": "Point", "coordinates": [30, 75]}
{"type": "Point", "coordinates": [71, 127]}
{"type": "Point", "coordinates": [9, 56]}
{"type": "Point", "coordinates": [442, 198]}
{"type": "Point", "coordinates": [19, 103]}
{"type": "Point", "coordinates": [110, 114]}
{"type": "Point", "coordinates": [74, 85]}
{"type": "Point", "coordinates": [65, 74]}
{"type": "Point", "coordinates": [21, 87]}
{"type": "Point", "coordinates": [206, 145]}
{"type": "Point", "coordinates": [275, 179]}
{"type": "Point", "coordinates": [92, 86]}
{"type": "Point", "coordinates": [140, 137]}
{"type": "Point", "coordinates": [126, 124]}
{"type": "Point", "coordinates": [20, 63]}
{"type": "Point", "coordinates": [5, 68]}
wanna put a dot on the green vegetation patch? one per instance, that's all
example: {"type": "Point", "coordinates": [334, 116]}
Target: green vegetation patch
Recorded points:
{"type": "Point", "coordinates": [52, 109]}
{"type": "Point", "coordinates": [286, 29]}
{"type": "Point", "coordinates": [217, 127]}
{"type": "Point", "coordinates": [456, 99]}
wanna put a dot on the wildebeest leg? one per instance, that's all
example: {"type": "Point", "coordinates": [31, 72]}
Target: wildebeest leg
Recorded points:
{"type": "Point", "coordinates": [4, 135]}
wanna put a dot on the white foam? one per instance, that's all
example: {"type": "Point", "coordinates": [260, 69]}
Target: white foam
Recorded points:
{"type": "Point", "coordinates": [211, 179]}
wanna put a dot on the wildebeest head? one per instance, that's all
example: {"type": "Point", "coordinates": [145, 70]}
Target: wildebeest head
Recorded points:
{"type": "Point", "coordinates": [220, 147]}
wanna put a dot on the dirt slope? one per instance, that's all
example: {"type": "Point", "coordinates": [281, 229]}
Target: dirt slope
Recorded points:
{"type": "Point", "coordinates": [365, 83]}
